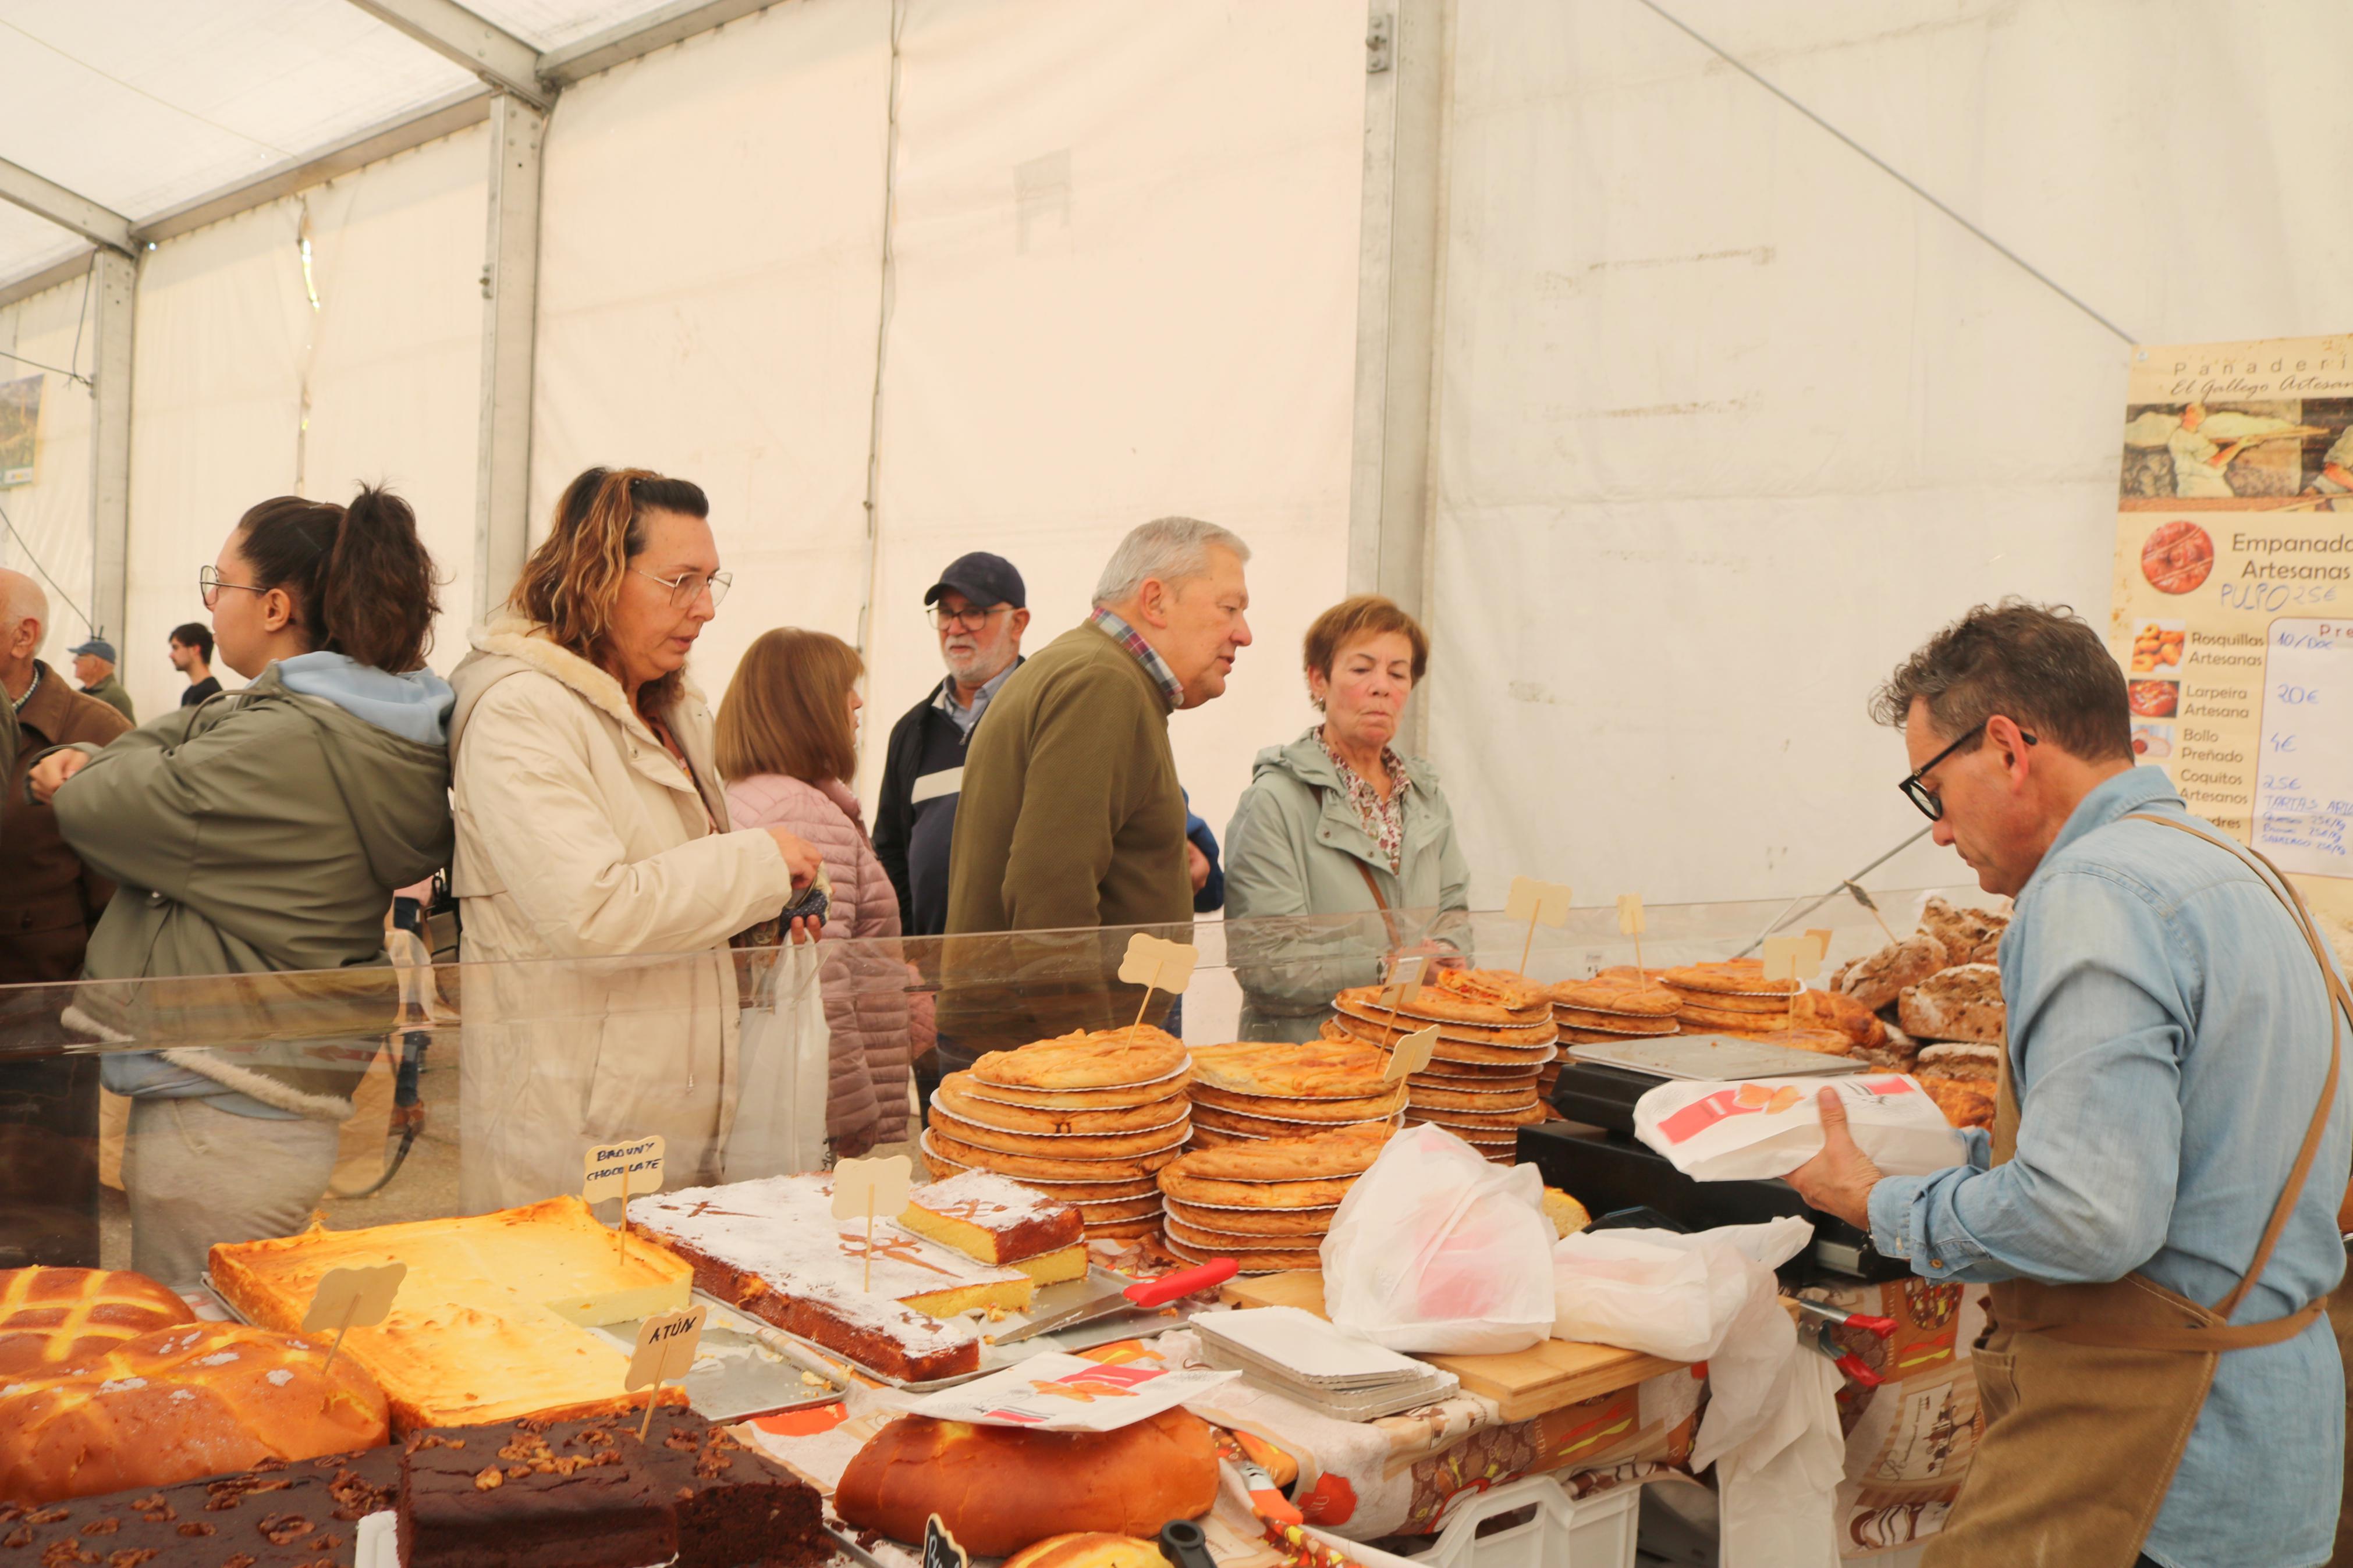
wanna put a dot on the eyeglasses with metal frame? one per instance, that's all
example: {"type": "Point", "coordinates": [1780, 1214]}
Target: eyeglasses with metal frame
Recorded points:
{"type": "Point", "coordinates": [209, 584]}
{"type": "Point", "coordinates": [688, 586]}
{"type": "Point", "coordinates": [972, 617]}
{"type": "Point", "coordinates": [1920, 794]}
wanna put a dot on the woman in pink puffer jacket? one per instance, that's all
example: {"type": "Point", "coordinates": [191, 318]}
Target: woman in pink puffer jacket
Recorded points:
{"type": "Point", "coordinates": [788, 740]}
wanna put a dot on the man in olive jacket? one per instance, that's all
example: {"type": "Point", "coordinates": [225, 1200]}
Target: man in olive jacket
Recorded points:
{"type": "Point", "coordinates": [1071, 814]}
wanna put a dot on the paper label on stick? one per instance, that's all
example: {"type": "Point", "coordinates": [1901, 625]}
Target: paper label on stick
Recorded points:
{"type": "Point", "coordinates": [878, 1186]}
{"type": "Point", "coordinates": [667, 1343]}
{"type": "Point", "coordinates": [1404, 983]}
{"type": "Point", "coordinates": [1159, 963]}
{"type": "Point", "coordinates": [640, 1157]}
{"type": "Point", "coordinates": [1544, 902]}
{"type": "Point", "coordinates": [1411, 1054]}
{"type": "Point", "coordinates": [366, 1293]}
{"type": "Point", "coordinates": [1797, 959]}
{"type": "Point", "coordinates": [1821, 937]}
{"type": "Point", "coordinates": [1630, 922]}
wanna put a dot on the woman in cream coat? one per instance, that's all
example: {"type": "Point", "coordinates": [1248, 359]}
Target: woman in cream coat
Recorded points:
{"type": "Point", "coordinates": [592, 828]}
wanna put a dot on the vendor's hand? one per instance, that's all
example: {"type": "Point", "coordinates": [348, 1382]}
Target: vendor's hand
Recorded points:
{"type": "Point", "coordinates": [799, 858]}
{"type": "Point", "coordinates": [1838, 1180]}
{"type": "Point", "coordinates": [1198, 863]}
{"type": "Point", "coordinates": [53, 771]}
{"type": "Point", "coordinates": [806, 929]}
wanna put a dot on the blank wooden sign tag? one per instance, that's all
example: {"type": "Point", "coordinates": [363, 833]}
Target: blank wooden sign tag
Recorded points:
{"type": "Point", "coordinates": [1632, 922]}
{"type": "Point", "coordinates": [1535, 901]}
{"type": "Point", "coordinates": [667, 1343]}
{"type": "Point", "coordinates": [350, 1299]}
{"type": "Point", "coordinates": [1411, 1054]}
{"type": "Point", "coordinates": [1792, 958]}
{"type": "Point", "coordinates": [869, 1187]}
{"type": "Point", "coordinates": [1399, 990]}
{"type": "Point", "coordinates": [1157, 964]}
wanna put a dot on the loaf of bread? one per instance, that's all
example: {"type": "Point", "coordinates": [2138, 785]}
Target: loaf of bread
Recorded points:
{"type": "Point", "coordinates": [1970, 936]}
{"type": "Point", "coordinates": [1836, 1010]}
{"type": "Point", "coordinates": [199, 1400]}
{"type": "Point", "coordinates": [1000, 1488]}
{"type": "Point", "coordinates": [1094, 1550]}
{"type": "Point", "coordinates": [1876, 981]}
{"type": "Point", "coordinates": [1962, 1004]}
{"type": "Point", "coordinates": [1964, 1104]}
{"type": "Point", "coordinates": [52, 1316]}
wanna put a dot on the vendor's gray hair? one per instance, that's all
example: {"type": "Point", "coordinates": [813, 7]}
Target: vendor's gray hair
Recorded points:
{"type": "Point", "coordinates": [1173, 549]}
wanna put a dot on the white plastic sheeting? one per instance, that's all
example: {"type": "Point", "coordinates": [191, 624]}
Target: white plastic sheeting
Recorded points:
{"type": "Point", "coordinates": [1729, 421]}
{"type": "Point", "coordinates": [232, 360]}
{"type": "Point", "coordinates": [1125, 289]}
{"type": "Point", "coordinates": [51, 515]}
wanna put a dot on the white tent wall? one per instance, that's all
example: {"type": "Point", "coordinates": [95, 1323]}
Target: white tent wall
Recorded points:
{"type": "Point", "coordinates": [52, 512]}
{"type": "Point", "coordinates": [231, 359]}
{"type": "Point", "coordinates": [710, 273]}
{"type": "Point", "coordinates": [1729, 421]}
{"type": "Point", "coordinates": [1124, 290]}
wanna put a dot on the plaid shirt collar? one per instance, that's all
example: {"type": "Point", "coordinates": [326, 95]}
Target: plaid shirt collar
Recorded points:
{"type": "Point", "coordinates": [1154, 665]}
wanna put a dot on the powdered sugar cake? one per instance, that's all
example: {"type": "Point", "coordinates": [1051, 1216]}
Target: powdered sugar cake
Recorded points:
{"type": "Point", "coordinates": [993, 1220]}
{"type": "Point", "coordinates": [773, 1248]}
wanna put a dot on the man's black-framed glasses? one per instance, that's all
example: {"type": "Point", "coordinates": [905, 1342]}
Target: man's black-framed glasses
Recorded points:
{"type": "Point", "coordinates": [1920, 794]}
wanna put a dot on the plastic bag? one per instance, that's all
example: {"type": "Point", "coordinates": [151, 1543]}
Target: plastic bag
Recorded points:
{"type": "Point", "coordinates": [1768, 1127]}
{"type": "Point", "coordinates": [782, 1060]}
{"type": "Point", "coordinates": [1434, 1248]}
{"type": "Point", "coordinates": [1662, 1292]}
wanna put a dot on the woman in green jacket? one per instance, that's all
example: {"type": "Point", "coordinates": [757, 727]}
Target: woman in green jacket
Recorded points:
{"type": "Point", "coordinates": [262, 831]}
{"type": "Point", "coordinates": [1337, 823]}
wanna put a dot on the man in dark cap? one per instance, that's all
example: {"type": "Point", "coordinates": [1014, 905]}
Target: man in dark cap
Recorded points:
{"type": "Point", "coordinates": [981, 609]}
{"type": "Point", "coordinates": [93, 666]}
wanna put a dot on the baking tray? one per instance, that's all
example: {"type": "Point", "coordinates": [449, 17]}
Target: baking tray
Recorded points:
{"type": "Point", "coordinates": [739, 1372]}
{"type": "Point", "coordinates": [994, 1357]}
{"type": "Point", "coordinates": [1714, 1059]}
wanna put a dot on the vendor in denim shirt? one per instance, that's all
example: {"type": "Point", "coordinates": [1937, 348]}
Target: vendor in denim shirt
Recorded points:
{"type": "Point", "coordinates": [2169, 1068]}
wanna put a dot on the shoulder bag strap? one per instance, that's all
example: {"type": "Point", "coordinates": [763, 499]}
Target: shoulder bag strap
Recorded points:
{"type": "Point", "coordinates": [2339, 1006]}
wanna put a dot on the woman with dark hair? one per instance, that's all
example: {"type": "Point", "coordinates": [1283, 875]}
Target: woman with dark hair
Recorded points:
{"type": "Point", "coordinates": [789, 747]}
{"type": "Point", "coordinates": [264, 831]}
{"type": "Point", "coordinates": [592, 826]}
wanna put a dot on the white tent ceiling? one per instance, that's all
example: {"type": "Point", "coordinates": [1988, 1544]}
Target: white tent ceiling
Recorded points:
{"type": "Point", "coordinates": [144, 106]}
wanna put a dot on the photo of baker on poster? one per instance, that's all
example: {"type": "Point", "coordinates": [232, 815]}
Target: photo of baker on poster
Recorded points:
{"type": "Point", "coordinates": [2285, 454]}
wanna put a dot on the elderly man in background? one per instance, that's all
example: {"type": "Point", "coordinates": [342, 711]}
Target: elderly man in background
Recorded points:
{"type": "Point", "coordinates": [1071, 816]}
{"type": "Point", "coordinates": [980, 608]}
{"type": "Point", "coordinates": [48, 903]}
{"type": "Point", "coordinates": [94, 667]}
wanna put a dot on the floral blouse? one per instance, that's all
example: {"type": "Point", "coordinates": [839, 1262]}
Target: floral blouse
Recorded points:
{"type": "Point", "coordinates": [1383, 821]}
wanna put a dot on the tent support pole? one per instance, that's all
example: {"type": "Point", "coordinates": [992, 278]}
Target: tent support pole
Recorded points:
{"type": "Point", "coordinates": [1400, 243]}
{"type": "Point", "coordinates": [114, 294]}
{"type": "Point", "coordinates": [510, 307]}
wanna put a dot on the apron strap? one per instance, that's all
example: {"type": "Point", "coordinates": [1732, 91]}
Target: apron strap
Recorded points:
{"type": "Point", "coordinates": [2339, 1007]}
{"type": "Point", "coordinates": [2157, 1337]}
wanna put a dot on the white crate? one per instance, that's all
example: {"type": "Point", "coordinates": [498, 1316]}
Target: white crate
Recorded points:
{"type": "Point", "coordinates": [1597, 1531]}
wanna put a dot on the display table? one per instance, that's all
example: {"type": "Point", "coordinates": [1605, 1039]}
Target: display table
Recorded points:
{"type": "Point", "coordinates": [1523, 1384]}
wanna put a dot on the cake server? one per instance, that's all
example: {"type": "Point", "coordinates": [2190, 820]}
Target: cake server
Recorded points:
{"type": "Point", "coordinates": [1102, 1292]}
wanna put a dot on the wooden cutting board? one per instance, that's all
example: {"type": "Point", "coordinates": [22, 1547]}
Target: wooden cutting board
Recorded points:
{"type": "Point", "coordinates": [1524, 1385]}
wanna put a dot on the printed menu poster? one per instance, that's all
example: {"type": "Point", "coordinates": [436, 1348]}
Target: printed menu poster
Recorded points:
{"type": "Point", "coordinates": [2233, 614]}
{"type": "Point", "coordinates": [20, 423]}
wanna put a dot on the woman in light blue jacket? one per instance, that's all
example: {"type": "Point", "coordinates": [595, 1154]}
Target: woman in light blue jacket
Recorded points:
{"type": "Point", "coordinates": [1338, 823]}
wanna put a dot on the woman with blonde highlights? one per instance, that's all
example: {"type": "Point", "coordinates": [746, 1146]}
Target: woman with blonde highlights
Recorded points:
{"type": "Point", "coordinates": [592, 826]}
{"type": "Point", "coordinates": [789, 747]}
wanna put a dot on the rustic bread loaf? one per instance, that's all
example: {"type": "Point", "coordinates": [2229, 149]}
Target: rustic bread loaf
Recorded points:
{"type": "Point", "coordinates": [1878, 979]}
{"type": "Point", "coordinates": [52, 1316]}
{"type": "Point", "coordinates": [1970, 936]}
{"type": "Point", "coordinates": [1961, 1003]}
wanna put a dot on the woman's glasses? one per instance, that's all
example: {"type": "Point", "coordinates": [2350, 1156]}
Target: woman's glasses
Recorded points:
{"type": "Point", "coordinates": [209, 584]}
{"type": "Point", "coordinates": [689, 586]}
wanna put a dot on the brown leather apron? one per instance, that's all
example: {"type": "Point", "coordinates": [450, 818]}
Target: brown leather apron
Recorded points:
{"type": "Point", "coordinates": [2090, 1390]}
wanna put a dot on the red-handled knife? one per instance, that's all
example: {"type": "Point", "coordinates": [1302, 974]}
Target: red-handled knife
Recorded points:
{"type": "Point", "coordinates": [1141, 1295]}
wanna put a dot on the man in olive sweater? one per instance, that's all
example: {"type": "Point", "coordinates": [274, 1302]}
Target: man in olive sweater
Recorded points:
{"type": "Point", "coordinates": [1071, 814]}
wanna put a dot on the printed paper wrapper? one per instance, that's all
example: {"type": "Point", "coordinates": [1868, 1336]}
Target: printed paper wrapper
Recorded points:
{"type": "Point", "coordinates": [1058, 1392]}
{"type": "Point", "coordinates": [1759, 1128]}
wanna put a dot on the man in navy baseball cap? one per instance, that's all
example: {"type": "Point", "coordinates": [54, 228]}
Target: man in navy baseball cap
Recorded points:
{"type": "Point", "coordinates": [93, 666]}
{"type": "Point", "coordinates": [980, 608]}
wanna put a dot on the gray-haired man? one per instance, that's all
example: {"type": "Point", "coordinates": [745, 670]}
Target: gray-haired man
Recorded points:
{"type": "Point", "coordinates": [1071, 814]}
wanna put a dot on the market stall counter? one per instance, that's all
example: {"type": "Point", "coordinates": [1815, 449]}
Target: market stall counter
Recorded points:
{"type": "Point", "coordinates": [552, 1205]}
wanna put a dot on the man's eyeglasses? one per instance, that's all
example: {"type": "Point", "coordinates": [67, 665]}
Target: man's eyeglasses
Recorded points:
{"type": "Point", "coordinates": [971, 618]}
{"type": "Point", "coordinates": [209, 584]}
{"type": "Point", "coordinates": [1931, 805]}
{"type": "Point", "coordinates": [688, 586]}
